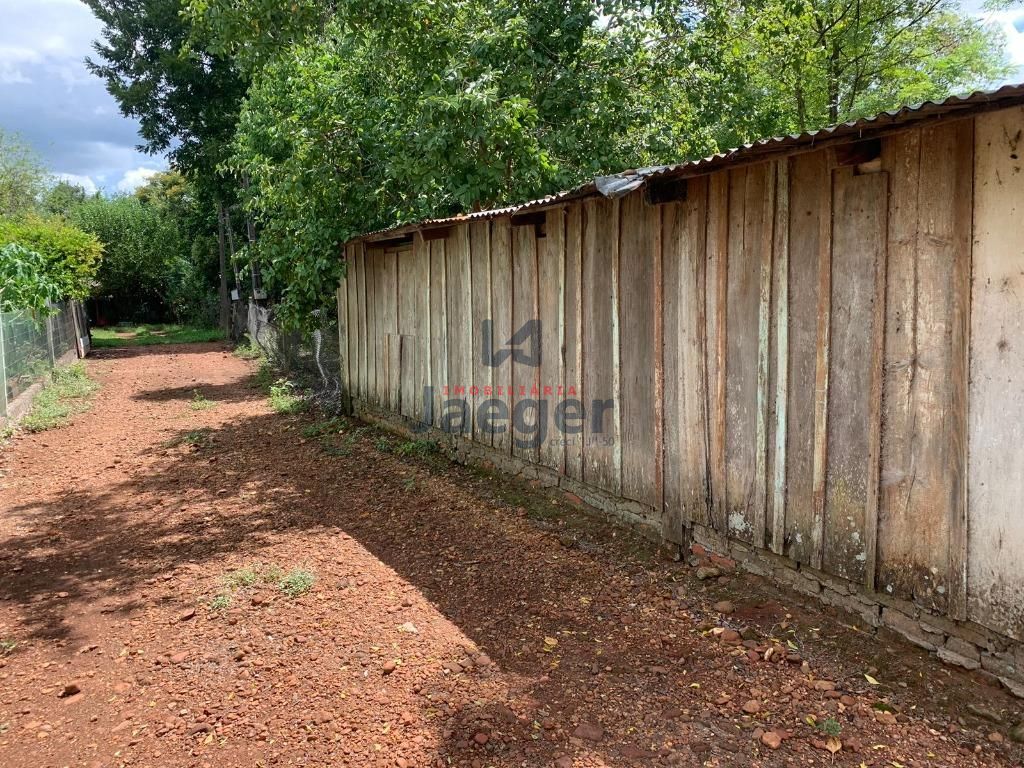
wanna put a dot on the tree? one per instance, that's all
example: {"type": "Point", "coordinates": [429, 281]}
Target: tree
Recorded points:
{"type": "Point", "coordinates": [62, 197]}
{"type": "Point", "coordinates": [23, 176]}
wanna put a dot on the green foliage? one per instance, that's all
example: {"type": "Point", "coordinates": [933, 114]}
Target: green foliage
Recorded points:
{"type": "Point", "coordinates": [23, 176]}
{"type": "Point", "coordinates": [200, 402]}
{"type": "Point", "coordinates": [830, 726]}
{"type": "Point", "coordinates": [7, 646]}
{"type": "Point", "coordinates": [249, 351]}
{"type": "Point", "coordinates": [73, 256]}
{"type": "Point", "coordinates": [415, 448]}
{"type": "Point", "coordinates": [285, 397]}
{"type": "Point", "coordinates": [220, 603]}
{"type": "Point", "coordinates": [67, 394]}
{"type": "Point", "coordinates": [62, 197]}
{"type": "Point", "coordinates": [25, 281]}
{"type": "Point", "coordinates": [296, 582]}
{"type": "Point", "coordinates": [149, 335]}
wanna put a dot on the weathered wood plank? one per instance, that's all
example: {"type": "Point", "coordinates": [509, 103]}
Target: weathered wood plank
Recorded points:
{"type": "Point", "coordinates": [480, 269]}
{"type": "Point", "coordinates": [371, 258]}
{"type": "Point", "coordinates": [746, 241]}
{"type": "Point", "coordinates": [780, 283]}
{"type": "Point", "coordinates": [421, 321]}
{"type": "Point", "coordinates": [810, 209]}
{"type": "Point", "coordinates": [354, 344]}
{"type": "Point", "coordinates": [924, 442]}
{"type": "Point", "coordinates": [717, 292]}
{"type": "Point", "coordinates": [674, 516]}
{"type": "Point", "coordinates": [460, 320]}
{"type": "Point", "coordinates": [996, 414]}
{"type": "Point", "coordinates": [573, 336]}
{"type": "Point", "coordinates": [525, 375]}
{"type": "Point", "coordinates": [389, 315]}
{"type": "Point", "coordinates": [639, 322]}
{"type": "Point", "coordinates": [551, 305]}
{"type": "Point", "coordinates": [501, 329]}
{"type": "Point", "coordinates": [344, 377]}
{"type": "Point", "coordinates": [438, 329]}
{"type": "Point", "coordinates": [408, 288]}
{"type": "Point", "coordinates": [600, 233]}
{"type": "Point", "coordinates": [859, 216]}
{"type": "Point", "coordinates": [762, 235]}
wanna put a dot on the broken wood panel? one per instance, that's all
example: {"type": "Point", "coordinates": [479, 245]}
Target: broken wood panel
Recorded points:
{"type": "Point", "coordinates": [551, 303]}
{"type": "Point", "coordinates": [573, 315]}
{"type": "Point", "coordinates": [480, 268]}
{"type": "Point", "coordinates": [809, 210]}
{"type": "Point", "coordinates": [460, 320]}
{"type": "Point", "coordinates": [924, 440]}
{"type": "Point", "coordinates": [860, 208]}
{"type": "Point", "coordinates": [525, 365]}
{"type": "Point", "coordinates": [717, 282]}
{"type": "Point", "coordinates": [780, 371]}
{"type": "Point", "coordinates": [501, 328]}
{"type": "Point", "coordinates": [438, 330]}
{"type": "Point", "coordinates": [639, 318]}
{"type": "Point", "coordinates": [408, 287]}
{"type": "Point", "coordinates": [748, 189]}
{"type": "Point", "coordinates": [600, 233]}
{"type": "Point", "coordinates": [996, 414]}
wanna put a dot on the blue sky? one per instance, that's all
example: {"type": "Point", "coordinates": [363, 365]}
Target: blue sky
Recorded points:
{"type": "Point", "coordinates": [50, 99]}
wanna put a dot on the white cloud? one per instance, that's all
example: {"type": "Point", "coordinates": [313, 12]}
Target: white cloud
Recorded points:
{"type": "Point", "coordinates": [134, 179]}
{"type": "Point", "coordinates": [84, 182]}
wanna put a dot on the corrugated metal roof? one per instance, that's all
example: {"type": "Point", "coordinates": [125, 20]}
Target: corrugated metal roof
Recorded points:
{"type": "Point", "coordinates": [622, 183]}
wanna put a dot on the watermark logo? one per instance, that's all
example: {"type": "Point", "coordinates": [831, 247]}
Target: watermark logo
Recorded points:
{"type": "Point", "coordinates": [528, 411]}
{"type": "Point", "coordinates": [529, 332]}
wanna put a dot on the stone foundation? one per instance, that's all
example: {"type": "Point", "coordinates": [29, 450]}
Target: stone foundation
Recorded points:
{"type": "Point", "coordinates": [959, 643]}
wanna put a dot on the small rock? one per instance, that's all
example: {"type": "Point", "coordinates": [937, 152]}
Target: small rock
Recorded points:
{"type": "Point", "coordinates": [752, 707]}
{"type": "Point", "coordinates": [481, 738]}
{"type": "Point", "coordinates": [771, 739]}
{"type": "Point", "coordinates": [824, 685]}
{"type": "Point", "coordinates": [70, 690]}
{"type": "Point", "coordinates": [187, 614]}
{"type": "Point", "coordinates": [179, 658]}
{"type": "Point", "coordinates": [983, 712]}
{"type": "Point", "coordinates": [995, 737]}
{"type": "Point", "coordinates": [409, 628]}
{"type": "Point", "coordinates": [389, 667]}
{"type": "Point", "coordinates": [565, 761]}
{"type": "Point", "coordinates": [724, 606]}
{"type": "Point", "coordinates": [706, 572]}
{"type": "Point", "coordinates": [588, 731]}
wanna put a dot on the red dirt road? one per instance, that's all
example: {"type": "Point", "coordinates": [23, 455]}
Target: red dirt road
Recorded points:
{"type": "Point", "coordinates": [456, 619]}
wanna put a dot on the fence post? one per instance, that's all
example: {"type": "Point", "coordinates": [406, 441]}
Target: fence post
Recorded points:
{"type": "Point", "coordinates": [49, 339]}
{"type": "Point", "coordinates": [3, 369]}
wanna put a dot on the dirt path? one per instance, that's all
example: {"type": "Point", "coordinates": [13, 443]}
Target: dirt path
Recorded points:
{"type": "Point", "coordinates": [454, 619]}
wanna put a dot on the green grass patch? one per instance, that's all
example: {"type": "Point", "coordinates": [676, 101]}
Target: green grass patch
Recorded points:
{"type": "Point", "coordinates": [247, 350]}
{"type": "Point", "coordinates": [221, 602]}
{"type": "Point", "coordinates": [7, 646]}
{"type": "Point", "coordinates": [200, 401]}
{"type": "Point", "coordinates": [297, 581]}
{"type": "Point", "coordinates": [286, 398]}
{"type": "Point", "coordinates": [251, 575]}
{"type": "Point", "coordinates": [147, 335]}
{"type": "Point", "coordinates": [68, 393]}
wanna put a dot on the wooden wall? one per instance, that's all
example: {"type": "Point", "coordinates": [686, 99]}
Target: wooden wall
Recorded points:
{"type": "Point", "coordinates": [796, 353]}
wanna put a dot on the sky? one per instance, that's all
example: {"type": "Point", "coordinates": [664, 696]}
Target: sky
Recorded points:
{"type": "Point", "coordinates": [50, 99]}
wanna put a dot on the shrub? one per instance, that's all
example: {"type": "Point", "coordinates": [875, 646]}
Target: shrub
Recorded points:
{"type": "Point", "coordinates": [25, 281]}
{"type": "Point", "coordinates": [72, 256]}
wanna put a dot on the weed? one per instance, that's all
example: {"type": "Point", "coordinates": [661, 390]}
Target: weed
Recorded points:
{"type": "Point", "coordinates": [297, 581]}
{"type": "Point", "coordinates": [196, 437]}
{"type": "Point", "coordinates": [249, 351]}
{"type": "Point", "coordinates": [830, 726]}
{"type": "Point", "coordinates": [322, 428]}
{"type": "Point", "coordinates": [409, 485]}
{"type": "Point", "coordinates": [67, 394]}
{"type": "Point", "coordinates": [881, 706]}
{"type": "Point", "coordinates": [200, 402]}
{"type": "Point", "coordinates": [416, 448]}
{"type": "Point", "coordinates": [284, 399]}
{"type": "Point", "coordinates": [242, 577]}
{"type": "Point", "coordinates": [383, 445]}
{"type": "Point", "coordinates": [221, 602]}
{"type": "Point", "coordinates": [7, 646]}
{"type": "Point", "coordinates": [147, 335]}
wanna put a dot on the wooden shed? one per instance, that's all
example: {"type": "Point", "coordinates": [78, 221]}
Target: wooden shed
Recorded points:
{"type": "Point", "coordinates": [804, 353]}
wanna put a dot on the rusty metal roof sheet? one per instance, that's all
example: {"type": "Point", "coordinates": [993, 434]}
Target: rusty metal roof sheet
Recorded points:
{"type": "Point", "coordinates": [617, 185]}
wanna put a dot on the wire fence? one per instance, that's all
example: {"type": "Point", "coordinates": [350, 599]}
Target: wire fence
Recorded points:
{"type": "Point", "coordinates": [31, 346]}
{"type": "Point", "coordinates": [312, 359]}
